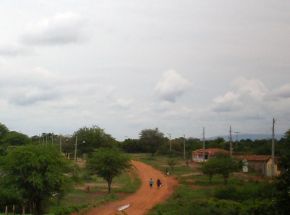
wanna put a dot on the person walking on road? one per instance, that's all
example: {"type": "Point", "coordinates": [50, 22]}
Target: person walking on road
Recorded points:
{"type": "Point", "coordinates": [159, 184]}
{"type": "Point", "coordinates": [151, 182]}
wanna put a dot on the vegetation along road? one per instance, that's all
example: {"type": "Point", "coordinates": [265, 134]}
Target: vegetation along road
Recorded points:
{"type": "Point", "coordinates": [145, 198]}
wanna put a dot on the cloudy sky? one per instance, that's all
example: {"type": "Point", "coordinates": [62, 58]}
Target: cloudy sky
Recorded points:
{"type": "Point", "coordinates": [134, 64]}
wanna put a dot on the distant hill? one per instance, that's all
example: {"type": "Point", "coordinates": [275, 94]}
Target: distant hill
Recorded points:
{"type": "Point", "coordinates": [251, 136]}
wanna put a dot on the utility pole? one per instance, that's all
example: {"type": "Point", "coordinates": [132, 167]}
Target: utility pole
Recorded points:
{"type": "Point", "coordinates": [231, 142]}
{"type": "Point", "coordinates": [203, 143]}
{"type": "Point", "coordinates": [60, 146]}
{"type": "Point", "coordinates": [52, 139]}
{"type": "Point", "coordinates": [273, 148]}
{"type": "Point", "coordinates": [184, 146]}
{"type": "Point", "coordinates": [76, 148]}
{"type": "Point", "coordinates": [169, 141]}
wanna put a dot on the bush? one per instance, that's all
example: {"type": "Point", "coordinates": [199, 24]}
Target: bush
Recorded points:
{"type": "Point", "coordinates": [261, 207]}
{"type": "Point", "coordinates": [203, 207]}
{"type": "Point", "coordinates": [68, 210]}
{"type": "Point", "coordinates": [221, 164]}
{"type": "Point", "coordinates": [246, 192]}
{"type": "Point", "coordinates": [171, 163]}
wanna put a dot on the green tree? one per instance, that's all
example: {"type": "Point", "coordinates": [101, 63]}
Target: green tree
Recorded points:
{"type": "Point", "coordinates": [221, 164]}
{"type": "Point", "coordinates": [108, 163]}
{"type": "Point", "coordinates": [9, 195]}
{"type": "Point", "coordinates": [287, 136]}
{"type": "Point", "coordinates": [92, 138]}
{"type": "Point", "coordinates": [152, 139]}
{"type": "Point", "coordinates": [131, 146]}
{"type": "Point", "coordinates": [171, 163]}
{"type": "Point", "coordinates": [14, 138]}
{"type": "Point", "coordinates": [227, 165]}
{"type": "Point", "coordinates": [36, 171]}
{"type": "Point", "coordinates": [283, 185]}
{"type": "Point", "coordinates": [3, 130]}
{"type": "Point", "coordinates": [209, 169]}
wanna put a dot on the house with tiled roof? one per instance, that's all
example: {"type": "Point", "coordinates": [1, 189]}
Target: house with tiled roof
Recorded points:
{"type": "Point", "coordinates": [260, 163]}
{"type": "Point", "coordinates": [201, 155]}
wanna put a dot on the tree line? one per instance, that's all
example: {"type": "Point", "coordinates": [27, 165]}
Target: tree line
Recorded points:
{"type": "Point", "coordinates": [150, 141]}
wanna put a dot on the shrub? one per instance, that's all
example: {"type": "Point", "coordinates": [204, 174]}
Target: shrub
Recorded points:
{"type": "Point", "coordinates": [68, 210]}
{"type": "Point", "coordinates": [246, 192]}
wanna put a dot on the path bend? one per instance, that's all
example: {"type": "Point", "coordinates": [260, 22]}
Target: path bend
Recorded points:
{"type": "Point", "coordinates": [145, 198]}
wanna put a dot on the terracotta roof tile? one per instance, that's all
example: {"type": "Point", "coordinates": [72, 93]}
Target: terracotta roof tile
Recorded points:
{"type": "Point", "coordinates": [254, 157]}
{"type": "Point", "coordinates": [211, 151]}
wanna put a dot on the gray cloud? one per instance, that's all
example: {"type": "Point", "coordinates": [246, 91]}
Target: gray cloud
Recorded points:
{"type": "Point", "coordinates": [282, 92]}
{"type": "Point", "coordinates": [171, 86]}
{"type": "Point", "coordinates": [29, 86]}
{"type": "Point", "coordinates": [208, 42]}
{"type": "Point", "coordinates": [27, 97]}
{"type": "Point", "coordinates": [13, 51]}
{"type": "Point", "coordinates": [61, 29]}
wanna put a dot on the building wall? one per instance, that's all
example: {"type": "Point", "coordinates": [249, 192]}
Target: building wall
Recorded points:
{"type": "Point", "coordinates": [258, 166]}
{"type": "Point", "coordinates": [264, 167]}
{"type": "Point", "coordinates": [269, 169]}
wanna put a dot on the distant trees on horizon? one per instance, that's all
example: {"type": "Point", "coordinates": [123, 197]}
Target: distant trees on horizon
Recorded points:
{"type": "Point", "coordinates": [150, 141]}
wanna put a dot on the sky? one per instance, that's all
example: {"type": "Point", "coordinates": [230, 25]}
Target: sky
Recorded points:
{"type": "Point", "coordinates": [132, 64]}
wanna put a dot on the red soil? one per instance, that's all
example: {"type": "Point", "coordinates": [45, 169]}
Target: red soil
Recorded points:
{"type": "Point", "coordinates": [145, 198]}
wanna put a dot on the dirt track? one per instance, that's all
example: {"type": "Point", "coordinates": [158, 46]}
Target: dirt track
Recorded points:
{"type": "Point", "coordinates": [145, 198]}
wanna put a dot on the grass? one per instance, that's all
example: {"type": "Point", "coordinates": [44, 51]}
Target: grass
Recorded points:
{"type": "Point", "coordinates": [79, 198]}
{"type": "Point", "coordinates": [217, 180]}
{"type": "Point", "coordinates": [160, 162]}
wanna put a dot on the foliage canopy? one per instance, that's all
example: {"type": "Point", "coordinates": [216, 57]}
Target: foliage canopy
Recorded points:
{"type": "Point", "coordinates": [108, 163]}
{"type": "Point", "coordinates": [152, 139]}
{"type": "Point", "coordinates": [36, 172]}
{"type": "Point", "coordinates": [92, 138]}
{"type": "Point", "coordinates": [221, 164]}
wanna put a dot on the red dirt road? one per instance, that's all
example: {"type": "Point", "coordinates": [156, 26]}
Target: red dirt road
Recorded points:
{"type": "Point", "coordinates": [145, 198]}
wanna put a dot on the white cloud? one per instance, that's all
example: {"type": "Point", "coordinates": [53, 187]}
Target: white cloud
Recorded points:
{"type": "Point", "coordinates": [61, 29]}
{"type": "Point", "coordinates": [247, 94]}
{"type": "Point", "coordinates": [171, 86]}
{"type": "Point", "coordinates": [252, 87]}
{"type": "Point", "coordinates": [250, 99]}
{"type": "Point", "coordinates": [123, 103]}
{"type": "Point", "coordinates": [227, 103]}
